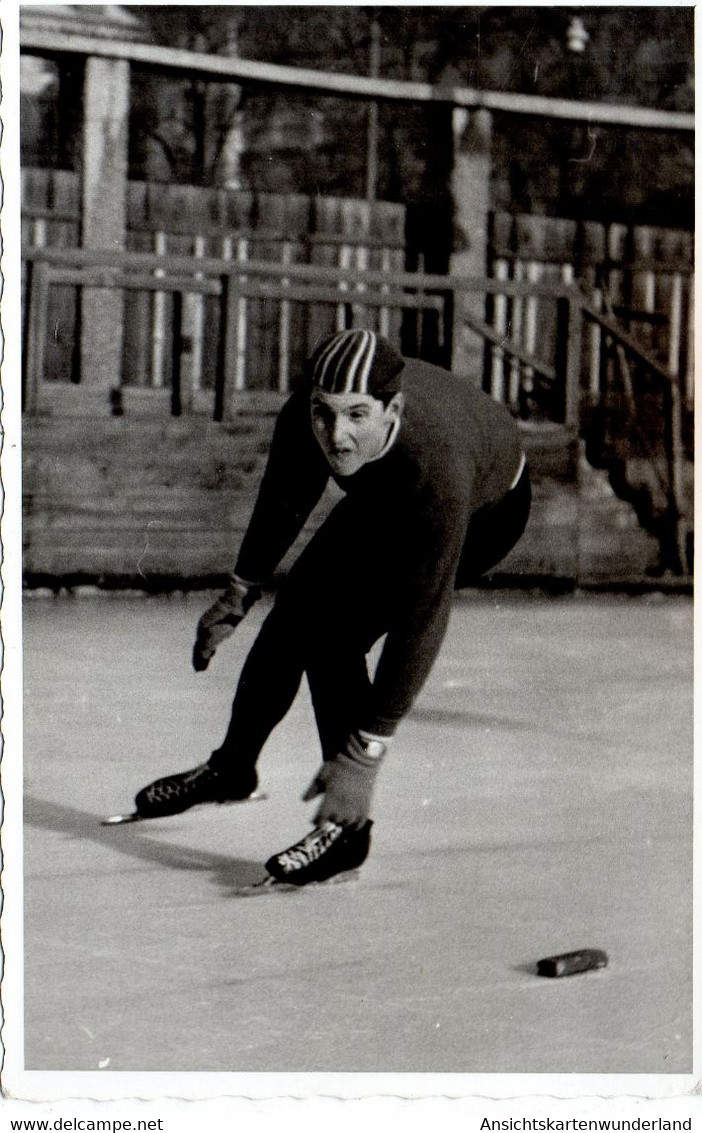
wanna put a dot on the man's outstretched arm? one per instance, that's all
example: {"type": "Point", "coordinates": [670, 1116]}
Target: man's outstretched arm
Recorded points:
{"type": "Point", "coordinates": [292, 484]}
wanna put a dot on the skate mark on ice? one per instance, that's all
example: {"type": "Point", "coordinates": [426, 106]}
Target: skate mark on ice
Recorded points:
{"type": "Point", "coordinates": [462, 717]}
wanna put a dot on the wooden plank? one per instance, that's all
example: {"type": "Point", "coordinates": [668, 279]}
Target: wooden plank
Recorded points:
{"type": "Point", "coordinates": [502, 226]}
{"type": "Point", "coordinates": [690, 352]}
{"type": "Point", "coordinates": [541, 242]}
{"type": "Point", "coordinates": [384, 314]}
{"type": "Point", "coordinates": [193, 327]}
{"type": "Point", "coordinates": [39, 241]}
{"type": "Point", "coordinates": [34, 191]}
{"type": "Point", "coordinates": [547, 239]}
{"type": "Point", "coordinates": [614, 282]}
{"type": "Point", "coordinates": [215, 329]}
{"type": "Point", "coordinates": [516, 326]}
{"type": "Point", "coordinates": [373, 243]}
{"type": "Point", "coordinates": [216, 212]}
{"type": "Point", "coordinates": [361, 315]}
{"type": "Point", "coordinates": [590, 250]}
{"type": "Point", "coordinates": [35, 345]}
{"type": "Point", "coordinates": [136, 345]}
{"type": "Point", "coordinates": [595, 377]}
{"type": "Point", "coordinates": [573, 365]}
{"type": "Point", "coordinates": [345, 253]}
{"type": "Point", "coordinates": [323, 261]}
{"type": "Point", "coordinates": [61, 363]}
{"type": "Point", "coordinates": [284, 323]}
{"type": "Point", "coordinates": [327, 295]}
{"type": "Point", "coordinates": [270, 213]}
{"type": "Point", "coordinates": [129, 281]}
{"type": "Point", "coordinates": [673, 249]}
{"type": "Point", "coordinates": [227, 379]}
{"type": "Point", "coordinates": [531, 320]}
{"type": "Point", "coordinates": [240, 218]}
{"type": "Point", "coordinates": [207, 332]}
{"type": "Point", "coordinates": [670, 249]}
{"type": "Point", "coordinates": [355, 224]}
{"type": "Point", "coordinates": [643, 281]}
{"type": "Point", "coordinates": [499, 320]}
{"type": "Point", "coordinates": [290, 319]}
{"type": "Point", "coordinates": [590, 254]}
{"type": "Point", "coordinates": [229, 68]}
{"type": "Point", "coordinates": [242, 325]}
{"type": "Point", "coordinates": [180, 398]}
{"type": "Point", "coordinates": [158, 317]}
{"type": "Point", "coordinates": [62, 216]}
{"type": "Point", "coordinates": [297, 314]}
{"type": "Point", "coordinates": [675, 458]}
{"type": "Point", "coordinates": [386, 243]}
{"type": "Point", "coordinates": [387, 225]}
{"type": "Point", "coordinates": [184, 209]}
{"type": "Point", "coordinates": [412, 280]}
{"type": "Point", "coordinates": [240, 287]}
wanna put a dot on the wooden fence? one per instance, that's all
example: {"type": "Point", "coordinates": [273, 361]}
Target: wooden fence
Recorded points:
{"type": "Point", "coordinates": [643, 277]}
{"type": "Point", "coordinates": [166, 220]}
{"type": "Point", "coordinates": [348, 296]}
{"type": "Point", "coordinates": [361, 296]}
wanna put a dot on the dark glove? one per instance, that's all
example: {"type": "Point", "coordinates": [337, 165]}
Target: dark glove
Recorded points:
{"type": "Point", "coordinates": [347, 781]}
{"type": "Point", "coordinates": [219, 622]}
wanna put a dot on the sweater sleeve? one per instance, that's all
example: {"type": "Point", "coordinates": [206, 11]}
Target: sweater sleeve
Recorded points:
{"type": "Point", "coordinates": [420, 618]}
{"type": "Point", "coordinates": [293, 482]}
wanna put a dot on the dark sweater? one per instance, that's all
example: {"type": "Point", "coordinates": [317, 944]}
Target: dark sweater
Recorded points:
{"type": "Point", "coordinates": [456, 451]}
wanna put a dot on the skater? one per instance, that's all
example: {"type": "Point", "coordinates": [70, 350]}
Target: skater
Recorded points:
{"type": "Point", "coordinates": [437, 492]}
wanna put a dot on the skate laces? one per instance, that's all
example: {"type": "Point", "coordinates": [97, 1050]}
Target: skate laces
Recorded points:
{"type": "Point", "coordinates": [310, 848]}
{"type": "Point", "coordinates": [177, 785]}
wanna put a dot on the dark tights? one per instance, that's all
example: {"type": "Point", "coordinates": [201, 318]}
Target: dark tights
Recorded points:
{"type": "Point", "coordinates": [335, 603]}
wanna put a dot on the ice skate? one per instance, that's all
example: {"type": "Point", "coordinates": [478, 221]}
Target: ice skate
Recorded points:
{"type": "Point", "coordinates": [326, 853]}
{"type": "Point", "coordinates": [329, 855]}
{"type": "Point", "coordinates": [174, 794]}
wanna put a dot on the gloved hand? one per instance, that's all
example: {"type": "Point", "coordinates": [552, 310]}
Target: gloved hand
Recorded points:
{"type": "Point", "coordinates": [347, 781]}
{"type": "Point", "coordinates": [219, 622]}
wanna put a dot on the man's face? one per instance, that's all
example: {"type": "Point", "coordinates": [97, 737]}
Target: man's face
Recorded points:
{"type": "Point", "coordinates": [352, 428]}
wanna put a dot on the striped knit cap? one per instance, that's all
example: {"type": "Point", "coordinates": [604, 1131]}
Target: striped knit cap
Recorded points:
{"type": "Point", "coordinates": [355, 361]}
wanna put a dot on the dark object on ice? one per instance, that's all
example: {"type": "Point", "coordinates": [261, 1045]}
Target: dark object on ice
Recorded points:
{"type": "Point", "coordinates": [571, 963]}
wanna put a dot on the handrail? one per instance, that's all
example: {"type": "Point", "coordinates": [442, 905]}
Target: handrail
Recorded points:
{"type": "Point", "coordinates": [101, 277]}
{"type": "Point", "coordinates": [672, 421]}
{"type": "Point", "coordinates": [209, 265]}
{"type": "Point", "coordinates": [612, 327]}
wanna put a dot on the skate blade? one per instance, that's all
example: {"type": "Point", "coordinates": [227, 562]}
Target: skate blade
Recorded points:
{"type": "Point", "coordinates": [120, 819]}
{"type": "Point", "coordinates": [270, 886]}
{"type": "Point", "coordinates": [134, 816]}
{"type": "Point", "coordinates": [256, 797]}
